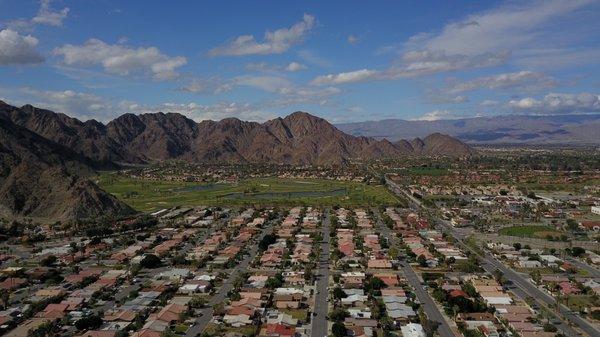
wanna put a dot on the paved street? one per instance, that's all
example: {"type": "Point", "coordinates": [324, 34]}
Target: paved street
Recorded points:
{"type": "Point", "coordinates": [221, 294]}
{"type": "Point", "coordinates": [528, 289]}
{"type": "Point", "coordinates": [593, 271]}
{"type": "Point", "coordinates": [490, 263]}
{"type": "Point", "coordinates": [319, 322]}
{"type": "Point", "coordinates": [432, 310]}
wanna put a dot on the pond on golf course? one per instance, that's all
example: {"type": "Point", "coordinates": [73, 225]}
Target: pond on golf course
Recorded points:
{"type": "Point", "coordinates": [284, 195]}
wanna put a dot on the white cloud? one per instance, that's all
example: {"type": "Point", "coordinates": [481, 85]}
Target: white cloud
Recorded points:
{"type": "Point", "coordinates": [557, 103]}
{"type": "Point", "coordinates": [122, 60]}
{"type": "Point", "coordinates": [199, 112]}
{"type": "Point", "coordinates": [275, 42]}
{"type": "Point", "coordinates": [425, 62]}
{"type": "Point", "coordinates": [524, 80]}
{"type": "Point", "coordinates": [352, 39]}
{"type": "Point", "coordinates": [525, 103]}
{"type": "Point", "coordinates": [194, 87]}
{"type": "Point", "coordinates": [76, 104]}
{"type": "Point", "coordinates": [213, 85]}
{"type": "Point", "coordinates": [85, 106]}
{"type": "Point", "coordinates": [217, 85]}
{"type": "Point", "coordinates": [261, 66]}
{"type": "Point", "coordinates": [355, 109]}
{"type": "Point", "coordinates": [47, 16]}
{"type": "Point", "coordinates": [489, 102]}
{"type": "Point", "coordinates": [18, 49]}
{"type": "Point", "coordinates": [552, 58]}
{"type": "Point", "coordinates": [459, 99]}
{"type": "Point", "coordinates": [297, 95]}
{"type": "Point", "coordinates": [509, 29]}
{"type": "Point", "coordinates": [313, 57]}
{"type": "Point", "coordinates": [259, 111]}
{"type": "Point", "coordinates": [414, 64]}
{"type": "Point", "coordinates": [347, 77]}
{"type": "Point", "coordinates": [285, 92]}
{"type": "Point", "coordinates": [443, 99]}
{"type": "Point", "coordinates": [295, 66]}
{"type": "Point", "coordinates": [480, 40]}
{"type": "Point", "coordinates": [266, 83]}
{"type": "Point", "coordinates": [44, 16]}
{"type": "Point", "coordinates": [265, 67]}
{"type": "Point", "coordinates": [89, 106]}
{"type": "Point", "coordinates": [434, 116]}
{"type": "Point", "coordinates": [505, 28]}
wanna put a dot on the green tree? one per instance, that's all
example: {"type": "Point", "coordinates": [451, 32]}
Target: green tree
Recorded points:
{"type": "Point", "coordinates": [572, 225]}
{"type": "Point", "coordinates": [338, 315]}
{"type": "Point", "coordinates": [338, 329]}
{"type": "Point", "coordinates": [440, 295]}
{"type": "Point", "coordinates": [338, 293]}
{"type": "Point", "coordinates": [151, 261]}
{"type": "Point", "coordinates": [422, 260]}
{"type": "Point", "coordinates": [4, 297]}
{"type": "Point", "coordinates": [267, 240]}
{"type": "Point", "coordinates": [498, 275]}
{"type": "Point", "coordinates": [469, 289]}
{"type": "Point", "coordinates": [48, 261]}
{"type": "Point", "coordinates": [274, 282]}
{"type": "Point", "coordinates": [429, 327]}
{"type": "Point", "coordinates": [89, 322]}
{"type": "Point", "coordinates": [387, 323]}
{"type": "Point", "coordinates": [393, 252]}
{"type": "Point", "coordinates": [549, 327]}
{"type": "Point", "coordinates": [219, 309]}
{"type": "Point", "coordinates": [471, 265]}
{"type": "Point", "coordinates": [374, 284]}
{"type": "Point", "coordinates": [536, 276]}
{"type": "Point", "coordinates": [577, 251]}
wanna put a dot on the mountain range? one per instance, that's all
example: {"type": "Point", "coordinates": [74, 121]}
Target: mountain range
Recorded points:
{"type": "Point", "coordinates": [46, 156]}
{"type": "Point", "coordinates": [42, 179]}
{"type": "Point", "coordinates": [509, 129]}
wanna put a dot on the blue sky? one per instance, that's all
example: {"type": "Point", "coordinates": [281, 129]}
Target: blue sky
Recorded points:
{"type": "Point", "coordinates": [342, 60]}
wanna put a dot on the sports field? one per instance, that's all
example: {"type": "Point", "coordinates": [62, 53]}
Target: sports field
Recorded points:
{"type": "Point", "coordinates": [146, 195]}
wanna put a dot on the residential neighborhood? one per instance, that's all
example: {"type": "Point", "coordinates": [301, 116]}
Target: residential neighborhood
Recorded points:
{"type": "Point", "coordinates": [424, 267]}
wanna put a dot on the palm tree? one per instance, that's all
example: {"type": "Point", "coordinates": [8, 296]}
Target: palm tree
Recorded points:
{"type": "Point", "coordinates": [557, 303]}
{"type": "Point", "coordinates": [4, 296]}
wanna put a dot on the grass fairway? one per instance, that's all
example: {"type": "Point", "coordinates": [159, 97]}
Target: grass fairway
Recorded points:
{"type": "Point", "coordinates": [427, 171]}
{"type": "Point", "coordinates": [154, 195]}
{"type": "Point", "coordinates": [534, 231]}
{"type": "Point", "coordinates": [559, 187]}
